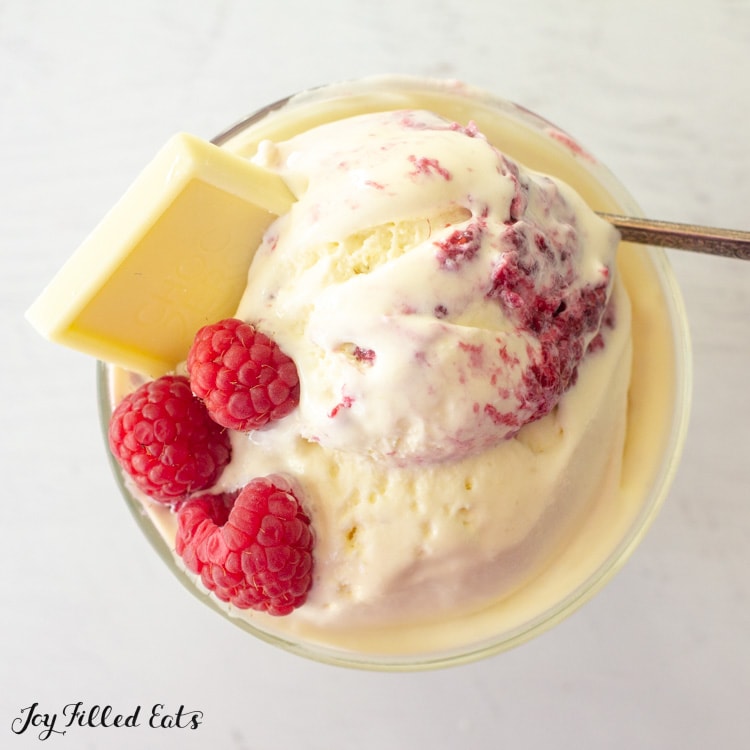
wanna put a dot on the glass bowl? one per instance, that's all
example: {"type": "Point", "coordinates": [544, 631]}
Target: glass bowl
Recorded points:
{"type": "Point", "coordinates": [658, 405]}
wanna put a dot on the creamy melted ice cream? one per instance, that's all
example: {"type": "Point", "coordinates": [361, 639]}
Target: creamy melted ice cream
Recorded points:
{"type": "Point", "coordinates": [453, 429]}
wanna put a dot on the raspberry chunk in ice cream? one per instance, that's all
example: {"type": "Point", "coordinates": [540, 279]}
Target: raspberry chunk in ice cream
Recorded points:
{"type": "Point", "coordinates": [559, 312]}
{"type": "Point", "coordinates": [254, 551]}
{"type": "Point", "coordinates": [243, 377]}
{"type": "Point", "coordinates": [461, 246]}
{"type": "Point", "coordinates": [163, 437]}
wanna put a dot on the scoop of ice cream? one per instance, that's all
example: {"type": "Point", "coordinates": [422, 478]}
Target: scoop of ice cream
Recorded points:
{"type": "Point", "coordinates": [435, 295]}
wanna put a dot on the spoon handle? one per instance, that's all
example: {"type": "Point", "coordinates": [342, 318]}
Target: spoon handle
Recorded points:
{"type": "Point", "coordinates": [729, 243]}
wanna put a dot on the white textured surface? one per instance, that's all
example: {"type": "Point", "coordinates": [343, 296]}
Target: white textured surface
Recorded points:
{"type": "Point", "coordinates": [88, 93]}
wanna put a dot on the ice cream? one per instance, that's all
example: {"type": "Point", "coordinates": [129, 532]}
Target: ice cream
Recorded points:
{"type": "Point", "coordinates": [464, 356]}
{"type": "Point", "coordinates": [463, 406]}
{"type": "Point", "coordinates": [439, 301]}
{"type": "Point", "coordinates": [435, 295]}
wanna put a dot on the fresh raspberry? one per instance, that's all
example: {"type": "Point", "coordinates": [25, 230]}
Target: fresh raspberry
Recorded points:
{"type": "Point", "coordinates": [242, 375]}
{"type": "Point", "coordinates": [256, 555]}
{"type": "Point", "coordinates": [163, 437]}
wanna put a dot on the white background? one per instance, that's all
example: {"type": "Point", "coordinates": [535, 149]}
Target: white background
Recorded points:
{"type": "Point", "coordinates": [657, 89]}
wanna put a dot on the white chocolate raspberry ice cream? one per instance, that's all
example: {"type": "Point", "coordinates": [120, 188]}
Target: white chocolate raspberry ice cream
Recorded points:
{"type": "Point", "coordinates": [377, 389]}
{"type": "Point", "coordinates": [463, 348]}
{"type": "Point", "coordinates": [435, 296]}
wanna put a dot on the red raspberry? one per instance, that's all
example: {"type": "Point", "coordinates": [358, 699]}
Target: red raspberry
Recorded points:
{"type": "Point", "coordinates": [163, 437]}
{"type": "Point", "coordinates": [256, 555]}
{"type": "Point", "coordinates": [242, 375]}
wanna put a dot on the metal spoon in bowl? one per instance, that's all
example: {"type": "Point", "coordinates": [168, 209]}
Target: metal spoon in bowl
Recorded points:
{"type": "Point", "coordinates": [729, 243]}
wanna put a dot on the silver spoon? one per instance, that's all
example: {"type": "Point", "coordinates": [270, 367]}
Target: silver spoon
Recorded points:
{"type": "Point", "coordinates": [729, 243]}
